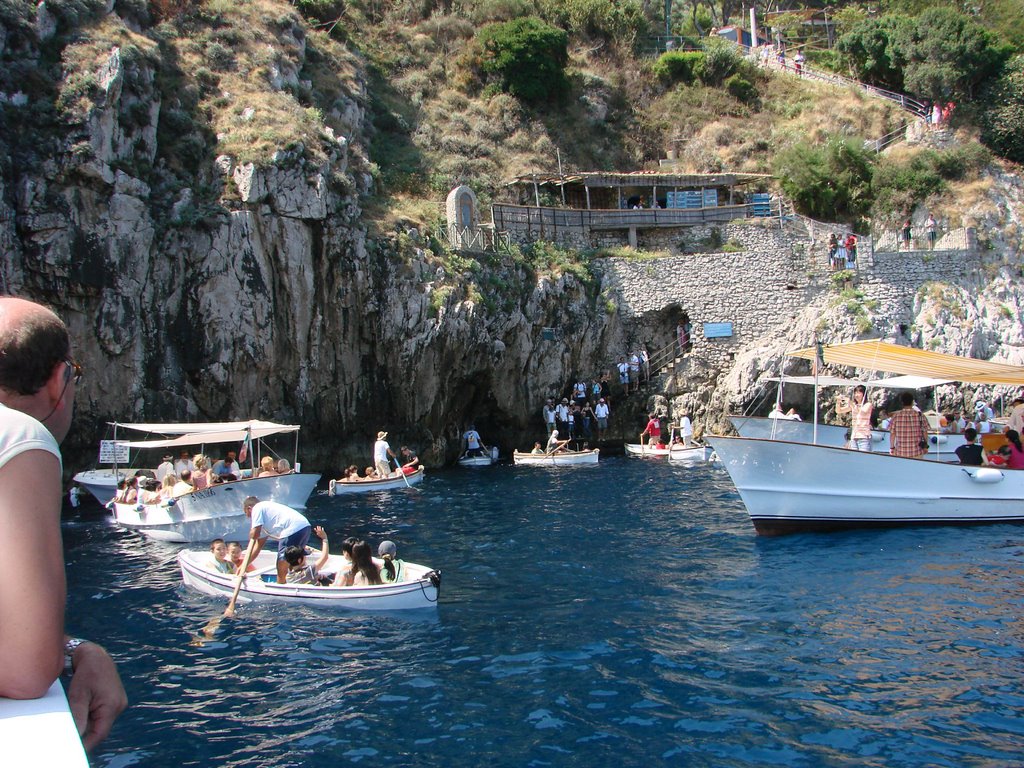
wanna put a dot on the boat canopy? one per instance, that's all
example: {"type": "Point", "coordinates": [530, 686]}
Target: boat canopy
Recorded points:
{"type": "Point", "coordinates": [895, 382]}
{"type": "Point", "coordinates": [878, 355]}
{"type": "Point", "coordinates": [194, 434]}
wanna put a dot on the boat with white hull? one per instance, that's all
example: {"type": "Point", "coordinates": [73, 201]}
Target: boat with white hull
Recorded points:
{"type": "Point", "coordinates": [214, 512]}
{"type": "Point", "coordinates": [690, 455]}
{"type": "Point", "coordinates": [343, 487]}
{"type": "Point", "coordinates": [795, 486]}
{"type": "Point", "coordinates": [485, 459]}
{"type": "Point", "coordinates": [940, 445]}
{"type": "Point", "coordinates": [789, 487]}
{"type": "Point", "coordinates": [694, 453]}
{"type": "Point", "coordinates": [419, 588]}
{"type": "Point", "coordinates": [564, 459]}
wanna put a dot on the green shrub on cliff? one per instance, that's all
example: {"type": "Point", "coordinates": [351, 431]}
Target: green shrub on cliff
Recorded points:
{"type": "Point", "coordinates": [526, 57]}
{"type": "Point", "coordinates": [678, 66]}
{"type": "Point", "coordinates": [1002, 119]}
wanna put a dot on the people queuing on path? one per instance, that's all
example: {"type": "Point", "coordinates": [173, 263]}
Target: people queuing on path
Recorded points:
{"type": "Point", "coordinates": [38, 381]}
{"type": "Point", "coordinates": [548, 414]}
{"type": "Point", "coordinates": [931, 231]}
{"type": "Point", "coordinates": [906, 234]}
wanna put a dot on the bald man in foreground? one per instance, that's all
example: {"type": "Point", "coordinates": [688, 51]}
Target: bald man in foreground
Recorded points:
{"type": "Point", "coordinates": [38, 377]}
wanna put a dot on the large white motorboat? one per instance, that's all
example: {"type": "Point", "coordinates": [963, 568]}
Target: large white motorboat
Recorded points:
{"type": "Point", "coordinates": [215, 511]}
{"type": "Point", "coordinates": [790, 486]}
{"type": "Point", "coordinates": [419, 587]}
{"type": "Point", "coordinates": [941, 445]}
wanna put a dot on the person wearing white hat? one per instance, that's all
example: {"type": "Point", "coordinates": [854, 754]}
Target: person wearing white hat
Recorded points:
{"type": "Point", "coordinates": [166, 468]}
{"type": "Point", "coordinates": [381, 452]}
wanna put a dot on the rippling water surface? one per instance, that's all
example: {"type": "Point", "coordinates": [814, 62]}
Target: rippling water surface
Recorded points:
{"type": "Point", "coordinates": [618, 615]}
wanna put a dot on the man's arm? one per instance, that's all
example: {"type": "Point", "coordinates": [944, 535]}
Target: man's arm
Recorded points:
{"type": "Point", "coordinates": [31, 619]}
{"type": "Point", "coordinates": [96, 696]}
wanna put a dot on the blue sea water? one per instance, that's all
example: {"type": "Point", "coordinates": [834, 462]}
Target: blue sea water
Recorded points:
{"type": "Point", "coordinates": [618, 615]}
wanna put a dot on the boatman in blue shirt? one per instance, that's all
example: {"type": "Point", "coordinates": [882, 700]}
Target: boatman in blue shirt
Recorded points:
{"type": "Point", "coordinates": [271, 519]}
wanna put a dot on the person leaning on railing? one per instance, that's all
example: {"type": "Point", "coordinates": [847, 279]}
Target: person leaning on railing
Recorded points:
{"type": "Point", "coordinates": [38, 378]}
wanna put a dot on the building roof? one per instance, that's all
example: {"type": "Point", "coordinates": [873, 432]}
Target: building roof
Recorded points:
{"type": "Point", "coordinates": [639, 178]}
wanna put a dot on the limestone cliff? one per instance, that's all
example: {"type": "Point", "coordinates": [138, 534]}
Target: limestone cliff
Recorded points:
{"type": "Point", "coordinates": [265, 297]}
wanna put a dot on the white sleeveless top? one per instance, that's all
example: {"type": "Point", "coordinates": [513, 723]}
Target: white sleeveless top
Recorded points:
{"type": "Point", "coordinates": [20, 433]}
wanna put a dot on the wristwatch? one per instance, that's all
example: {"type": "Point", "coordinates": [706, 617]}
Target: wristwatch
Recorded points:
{"type": "Point", "coordinates": [69, 651]}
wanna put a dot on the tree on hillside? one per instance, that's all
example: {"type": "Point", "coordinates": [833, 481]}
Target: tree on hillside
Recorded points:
{"type": "Point", "coordinates": [947, 54]}
{"type": "Point", "coordinates": [827, 182]}
{"type": "Point", "coordinates": [1002, 116]}
{"type": "Point", "coordinates": [527, 56]}
{"type": "Point", "coordinates": [870, 46]}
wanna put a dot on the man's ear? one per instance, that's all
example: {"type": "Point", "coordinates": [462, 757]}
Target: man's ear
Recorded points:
{"type": "Point", "coordinates": [55, 385]}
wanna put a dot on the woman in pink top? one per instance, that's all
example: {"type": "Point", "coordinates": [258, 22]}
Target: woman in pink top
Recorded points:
{"type": "Point", "coordinates": [1015, 455]}
{"type": "Point", "coordinates": [860, 410]}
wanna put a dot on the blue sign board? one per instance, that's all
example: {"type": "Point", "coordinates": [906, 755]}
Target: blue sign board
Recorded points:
{"type": "Point", "coordinates": [717, 330]}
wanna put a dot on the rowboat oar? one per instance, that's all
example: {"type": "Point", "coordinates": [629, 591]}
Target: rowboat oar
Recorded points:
{"type": "Point", "coordinates": [401, 471]}
{"type": "Point", "coordinates": [230, 610]}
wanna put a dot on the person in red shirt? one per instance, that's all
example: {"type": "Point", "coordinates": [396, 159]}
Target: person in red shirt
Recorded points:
{"type": "Point", "coordinates": [652, 430]}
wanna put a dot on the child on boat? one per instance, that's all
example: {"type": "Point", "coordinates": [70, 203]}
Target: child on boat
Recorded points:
{"type": "Point", "coordinates": [299, 572]}
{"type": "Point", "coordinates": [220, 557]}
{"type": "Point", "coordinates": [236, 554]}
{"type": "Point", "coordinates": [393, 569]}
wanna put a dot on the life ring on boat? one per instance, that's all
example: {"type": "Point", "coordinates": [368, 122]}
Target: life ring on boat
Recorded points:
{"type": "Point", "coordinates": [986, 475]}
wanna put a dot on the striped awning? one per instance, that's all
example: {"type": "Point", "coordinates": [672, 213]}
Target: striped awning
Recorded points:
{"type": "Point", "coordinates": [874, 355]}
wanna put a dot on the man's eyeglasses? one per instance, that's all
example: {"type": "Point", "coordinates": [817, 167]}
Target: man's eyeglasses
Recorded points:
{"type": "Point", "coordinates": [74, 371]}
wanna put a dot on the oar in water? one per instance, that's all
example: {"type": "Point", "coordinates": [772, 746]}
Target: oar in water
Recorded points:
{"type": "Point", "coordinates": [208, 631]}
{"type": "Point", "coordinates": [401, 471]}
{"type": "Point", "coordinates": [230, 610]}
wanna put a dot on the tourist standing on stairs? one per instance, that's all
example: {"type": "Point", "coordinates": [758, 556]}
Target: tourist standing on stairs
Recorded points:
{"type": "Point", "coordinates": [549, 415]}
{"type": "Point", "coordinates": [930, 227]}
{"type": "Point", "coordinates": [601, 413]}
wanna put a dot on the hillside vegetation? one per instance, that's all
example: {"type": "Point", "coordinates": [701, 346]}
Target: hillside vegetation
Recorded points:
{"type": "Point", "coordinates": [478, 91]}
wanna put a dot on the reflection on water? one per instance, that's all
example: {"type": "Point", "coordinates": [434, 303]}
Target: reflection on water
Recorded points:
{"type": "Point", "coordinates": [623, 614]}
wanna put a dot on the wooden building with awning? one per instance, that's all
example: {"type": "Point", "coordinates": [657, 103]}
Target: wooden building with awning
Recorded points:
{"type": "Point", "coordinates": [575, 207]}
{"type": "Point", "coordinates": [626, 190]}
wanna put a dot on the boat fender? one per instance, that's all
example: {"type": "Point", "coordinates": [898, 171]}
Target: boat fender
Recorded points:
{"type": "Point", "coordinates": [878, 437]}
{"type": "Point", "coordinates": [938, 439]}
{"type": "Point", "coordinates": [986, 475]}
{"type": "Point", "coordinates": [170, 502]}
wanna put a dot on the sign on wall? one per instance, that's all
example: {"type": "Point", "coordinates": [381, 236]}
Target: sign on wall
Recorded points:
{"type": "Point", "coordinates": [717, 330]}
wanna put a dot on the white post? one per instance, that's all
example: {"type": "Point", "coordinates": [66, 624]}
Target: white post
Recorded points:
{"type": "Point", "coordinates": [753, 28]}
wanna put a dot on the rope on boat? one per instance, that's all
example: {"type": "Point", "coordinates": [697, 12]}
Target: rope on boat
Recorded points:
{"type": "Point", "coordinates": [435, 578]}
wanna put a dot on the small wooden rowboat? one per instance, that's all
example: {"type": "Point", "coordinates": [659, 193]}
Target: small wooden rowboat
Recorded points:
{"type": "Point", "coordinates": [483, 460]}
{"type": "Point", "coordinates": [419, 589]}
{"type": "Point", "coordinates": [658, 450]}
{"type": "Point", "coordinates": [339, 487]}
{"type": "Point", "coordinates": [564, 459]}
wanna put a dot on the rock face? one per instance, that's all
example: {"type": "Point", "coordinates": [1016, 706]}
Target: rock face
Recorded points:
{"type": "Point", "coordinates": [272, 302]}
